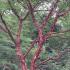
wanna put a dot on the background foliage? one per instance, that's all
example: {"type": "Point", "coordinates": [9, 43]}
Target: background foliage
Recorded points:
{"type": "Point", "coordinates": [51, 46]}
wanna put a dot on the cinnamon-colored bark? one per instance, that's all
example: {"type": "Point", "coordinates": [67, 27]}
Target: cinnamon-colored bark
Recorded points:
{"type": "Point", "coordinates": [40, 39]}
{"type": "Point", "coordinates": [18, 46]}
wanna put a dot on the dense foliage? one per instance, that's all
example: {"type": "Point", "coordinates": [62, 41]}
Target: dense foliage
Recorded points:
{"type": "Point", "coordinates": [57, 43]}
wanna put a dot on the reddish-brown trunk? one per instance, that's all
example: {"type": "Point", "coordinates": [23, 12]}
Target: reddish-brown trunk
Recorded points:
{"type": "Point", "coordinates": [38, 51]}
{"type": "Point", "coordinates": [18, 46]}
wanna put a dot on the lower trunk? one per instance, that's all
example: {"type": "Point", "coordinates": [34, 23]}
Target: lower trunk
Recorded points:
{"type": "Point", "coordinates": [18, 46]}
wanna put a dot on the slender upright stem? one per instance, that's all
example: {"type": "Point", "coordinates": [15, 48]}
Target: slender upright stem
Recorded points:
{"type": "Point", "coordinates": [18, 46]}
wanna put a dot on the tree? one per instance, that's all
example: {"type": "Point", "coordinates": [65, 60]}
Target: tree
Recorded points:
{"type": "Point", "coordinates": [57, 10]}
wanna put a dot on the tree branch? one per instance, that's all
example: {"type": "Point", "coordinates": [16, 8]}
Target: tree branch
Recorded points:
{"type": "Point", "coordinates": [3, 29]}
{"type": "Point", "coordinates": [55, 58]}
{"type": "Point", "coordinates": [31, 11]}
{"type": "Point", "coordinates": [64, 13]}
{"type": "Point", "coordinates": [54, 5]}
{"type": "Point", "coordinates": [54, 23]}
{"type": "Point", "coordinates": [9, 32]}
{"type": "Point", "coordinates": [31, 46]}
{"type": "Point", "coordinates": [13, 9]}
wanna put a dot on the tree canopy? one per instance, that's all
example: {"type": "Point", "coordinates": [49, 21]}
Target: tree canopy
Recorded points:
{"type": "Point", "coordinates": [38, 28]}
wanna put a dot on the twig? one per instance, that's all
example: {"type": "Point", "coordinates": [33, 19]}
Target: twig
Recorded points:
{"type": "Point", "coordinates": [64, 13]}
{"type": "Point", "coordinates": [56, 57]}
